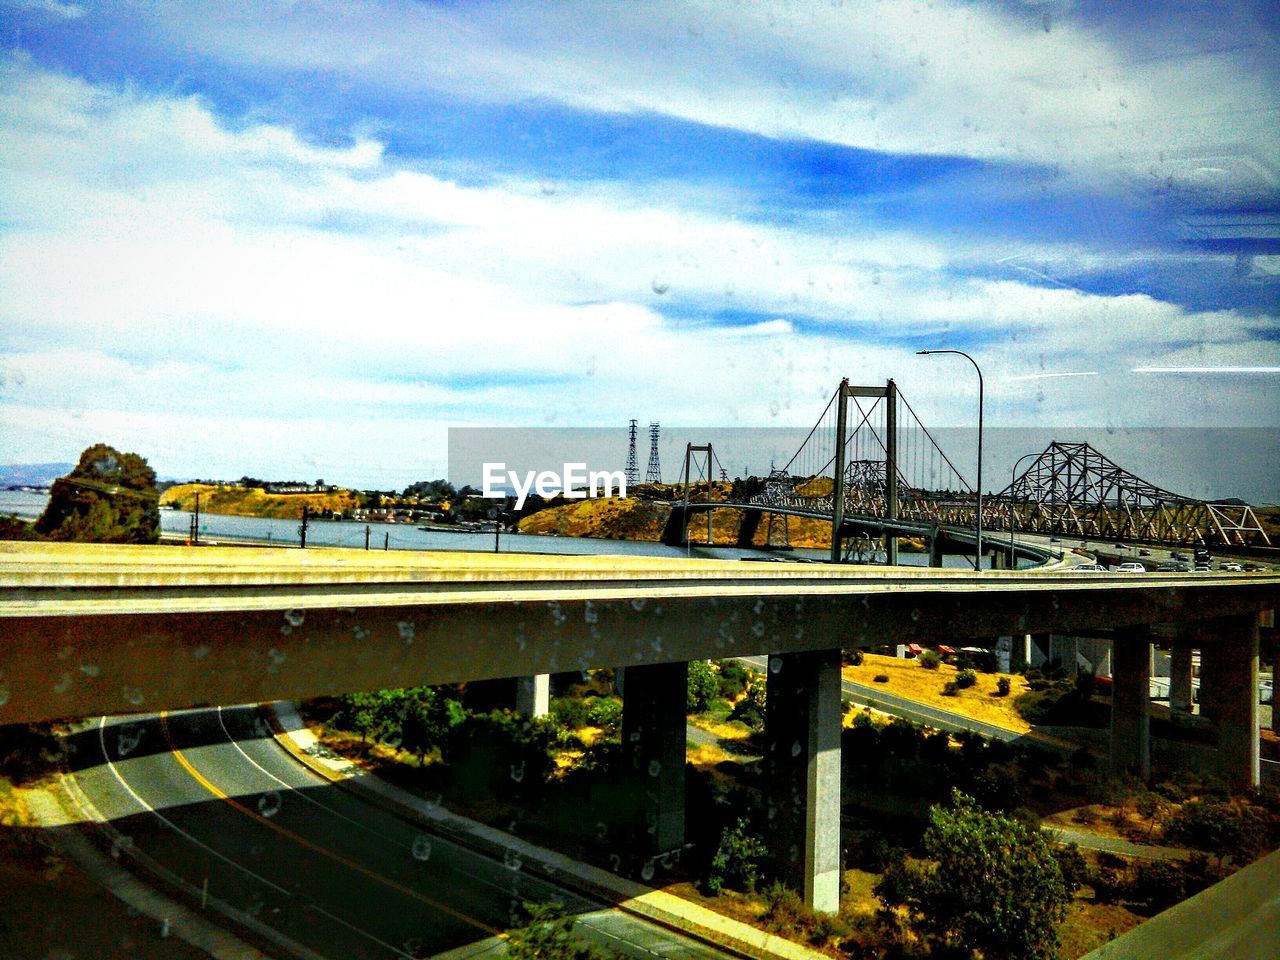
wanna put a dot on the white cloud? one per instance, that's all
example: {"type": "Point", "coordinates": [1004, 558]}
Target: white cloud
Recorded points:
{"type": "Point", "coordinates": [938, 78]}
{"type": "Point", "coordinates": [160, 269]}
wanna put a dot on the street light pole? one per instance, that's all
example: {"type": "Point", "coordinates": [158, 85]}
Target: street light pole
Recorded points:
{"type": "Point", "coordinates": [1013, 477]}
{"type": "Point", "coordinates": [977, 560]}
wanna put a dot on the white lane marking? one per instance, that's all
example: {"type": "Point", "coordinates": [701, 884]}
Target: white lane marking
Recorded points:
{"type": "Point", "coordinates": [459, 850]}
{"type": "Point", "coordinates": [483, 880]}
{"type": "Point", "coordinates": [102, 739]}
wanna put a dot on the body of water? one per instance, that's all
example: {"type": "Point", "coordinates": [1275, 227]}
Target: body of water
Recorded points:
{"type": "Point", "coordinates": [217, 527]}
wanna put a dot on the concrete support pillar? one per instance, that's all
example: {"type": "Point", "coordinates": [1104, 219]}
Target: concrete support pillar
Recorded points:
{"type": "Point", "coordinates": [1066, 651]}
{"type": "Point", "coordinates": [653, 738]}
{"type": "Point", "coordinates": [533, 695]}
{"type": "Point", "coordinates": [1180, 678]}
{"type": "Point", "coordinates": [802, 727]}
{"type": "Point", "coordinates": [935, 548]}
{"type": "Point", "coordinates": [1232, 647]}
{"type": "Point", "coordinates": [1021, 658]}
{"type": "Point", "coordinates": [1131, 702]}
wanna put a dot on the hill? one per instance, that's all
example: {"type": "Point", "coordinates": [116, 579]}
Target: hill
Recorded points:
{"type": "Point", "coordinates": [254, 502]}
{"type": "Point", "coordinates": [32, 474]}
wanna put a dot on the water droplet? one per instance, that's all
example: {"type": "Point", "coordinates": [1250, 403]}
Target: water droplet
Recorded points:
{"type": "Point", "coordinates": [660, 286]}
{"type": "Point", "coordinates": [269, 803]}
{"type": "Point", "coordinates": [295, 617]}
{"type": "Point", "coordinates": [63, 684]}
{"type": "Point", "coordinates": [133, 696]}
{"type": "Point", "coordinates": [511, 860]}
{"type": "Point", "coordinates": [517, 771]}
{"type": "Point", "coordinates": [89, 669]}
{"type": "Point", "coordinates": [655, 768]}
{"type": "Point", "coordinates": [421, 848]}
{"type": "Point", "coordinates": [795, 748]}
{"type": "Point", "coordinates": [200, 652]}
{"type": "Point", "coordinates": [775, 664]}
{"type": "Point", "coordinates": [406, 629]}
{"type": "Point", "coordinates": [647, 871]}
{"type": "Point", "coordinates": [127, 740]}
{"type": "Point", "coordinates": [276, 656]}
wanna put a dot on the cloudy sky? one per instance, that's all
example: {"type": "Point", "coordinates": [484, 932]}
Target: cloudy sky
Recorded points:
{"type": "Point", "coordinates": [304, 238]}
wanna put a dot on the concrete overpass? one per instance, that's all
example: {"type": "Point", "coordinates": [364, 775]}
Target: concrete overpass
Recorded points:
{"type": "Point", "coordinates": [95, 629]}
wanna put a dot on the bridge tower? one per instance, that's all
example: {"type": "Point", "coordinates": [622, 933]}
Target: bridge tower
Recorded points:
{"type": "Point", "coordinates": [654, 473]}
{"type": "Point", "coordinates": [633, 470]}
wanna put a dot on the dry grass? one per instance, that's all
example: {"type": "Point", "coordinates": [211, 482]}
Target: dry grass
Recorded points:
{"type": "Point", "coordinates": [907, 678]}
{"type": "Point", "coordinates": [253, 502]}
{"type": "Point", "coordinates": [722, 729]}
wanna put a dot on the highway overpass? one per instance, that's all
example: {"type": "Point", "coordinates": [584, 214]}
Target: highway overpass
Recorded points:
{"type": "Point", "coordinates": [95, 629]}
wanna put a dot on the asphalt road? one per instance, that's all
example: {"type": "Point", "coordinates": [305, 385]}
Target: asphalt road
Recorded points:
{"type": "Point", "coordinates": [210, 795]}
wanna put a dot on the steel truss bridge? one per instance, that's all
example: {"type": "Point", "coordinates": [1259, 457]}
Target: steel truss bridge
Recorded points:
{"type": "Point", "coordinates": [870, 468]}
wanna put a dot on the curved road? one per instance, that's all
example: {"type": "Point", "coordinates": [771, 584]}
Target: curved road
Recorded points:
{"type": "Point", "coordinates": [210, 795]}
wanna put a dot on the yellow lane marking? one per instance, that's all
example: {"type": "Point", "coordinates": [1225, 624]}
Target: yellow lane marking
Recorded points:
{"type": "Point", "coordinates": [303, 841]}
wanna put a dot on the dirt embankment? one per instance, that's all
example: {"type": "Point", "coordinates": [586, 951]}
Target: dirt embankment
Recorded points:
{"type": "Point", "coordinates": [254, 502]}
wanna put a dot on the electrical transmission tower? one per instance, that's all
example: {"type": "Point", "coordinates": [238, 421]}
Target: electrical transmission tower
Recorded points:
{"type": "Point", "coordinates": [654, 473]}
{"type": "Point", "coordinates": [633, 470]}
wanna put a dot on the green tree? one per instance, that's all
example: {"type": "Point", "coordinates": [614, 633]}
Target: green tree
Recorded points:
{"type": "Point", "coordinates": [989, 883]}
{"type": "Point", "coordinates": [109, 497]}
{"type": "Point", "coordinates": [703, 686]}
{"type": "Point", "coordinates": [428, 717]}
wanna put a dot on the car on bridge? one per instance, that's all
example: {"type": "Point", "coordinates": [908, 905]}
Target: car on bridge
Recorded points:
{"type": "Point", "coordinates": [1131, 567]}
{"type": "Point", "coordinates": [1088, 568]}
{"type": "Point", "coordinates": [1231, 567]}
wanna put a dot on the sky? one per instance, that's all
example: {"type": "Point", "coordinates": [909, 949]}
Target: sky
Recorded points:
{"type": "Point", "coordinates": [304, 239]}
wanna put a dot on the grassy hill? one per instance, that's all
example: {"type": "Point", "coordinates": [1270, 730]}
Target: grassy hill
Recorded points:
{"type": "Point", "coordinates": [254, 502]}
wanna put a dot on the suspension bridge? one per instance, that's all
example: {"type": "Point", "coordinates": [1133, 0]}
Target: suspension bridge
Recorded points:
{"type": "Point", "coordinates": [873, 470]}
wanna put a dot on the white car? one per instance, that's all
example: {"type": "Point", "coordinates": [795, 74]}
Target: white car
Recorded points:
{"type": "Point", "coordinates": [1131, 568]}
{"type": "Point", "coordinates": [1231, 568]}
{"type": "Point", "coordinates": [1088, 568]}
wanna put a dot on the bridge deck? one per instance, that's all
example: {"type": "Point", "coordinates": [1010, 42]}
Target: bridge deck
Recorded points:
{"type": "Point", "coordinates": [43, 579]}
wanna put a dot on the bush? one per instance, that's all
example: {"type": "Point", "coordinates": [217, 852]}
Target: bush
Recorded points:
{"type": "Point", "coordinates": [750, 709]}
{"type": "Point", "coordinates": [1223, 829]}
{"type": "Point", "coordinates": [736, 862]}
{"type": "Point", "coordinates": [703, 686]}
{"type": "Point", "coordinates": [570, 712]}
{"type": "Point", "coordinates": [1003, 686]}
{"type": "Point", "coordinates": [734, 679]}
{"type": "Point", "coordinates": [988, 882]}
{"type": "Point", "coordinates": [1158, 884]}
{"type": "Point", "coordinates": [950, 689]}
{"type": "Point", "coordinates": [966, 678]}
{"type": "Point", "coordinates": [604, 712]}
{"type": "Point", "coordinates": [853, 658]}
{"type": "Point", "coordinates": [548, 934]}
{"type": "Point", "coordinates": [881, 678]}
{"type": "Point", "coordinates": [930, 660]}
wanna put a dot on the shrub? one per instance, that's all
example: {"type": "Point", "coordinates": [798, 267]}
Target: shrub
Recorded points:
{"type": "Point", "coordinates": [989, 882]}
{"type": "Point", "coordinates": [734, 679]}
{"type": "Point", "coordinates": [703, 686]}
{"type": "Point", "coordinates": [1223, 829]}
{"type": "Point", "coordinates": [881, 678]}
{"type": "Point", "coordinates": [853, 658]}
{"type": "Point", "coordinates": [1158, 884]}
{"type": "Point", "coordinates": [950, 689]}
{"type": "Point", "coordinates": [736, 862]}
{"type": "Point", "coordinates": [750, 709]}
{"type": "Point", "coordinates": [570, 712]}
{"type": "Point", "coordinates": [548, 933]}
{"type": "Point", "coordinates": [930, 660]}
{"type": "Point", "coordinates": [966, 678]}
{"type": "Point", "coordinates": [1003, 686]}
{"type": "Point", "coordinates": [604, 712]}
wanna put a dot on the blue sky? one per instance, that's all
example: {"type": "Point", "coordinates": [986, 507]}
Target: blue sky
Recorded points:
{"type": "Point", "coordinates": [306, 238]}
